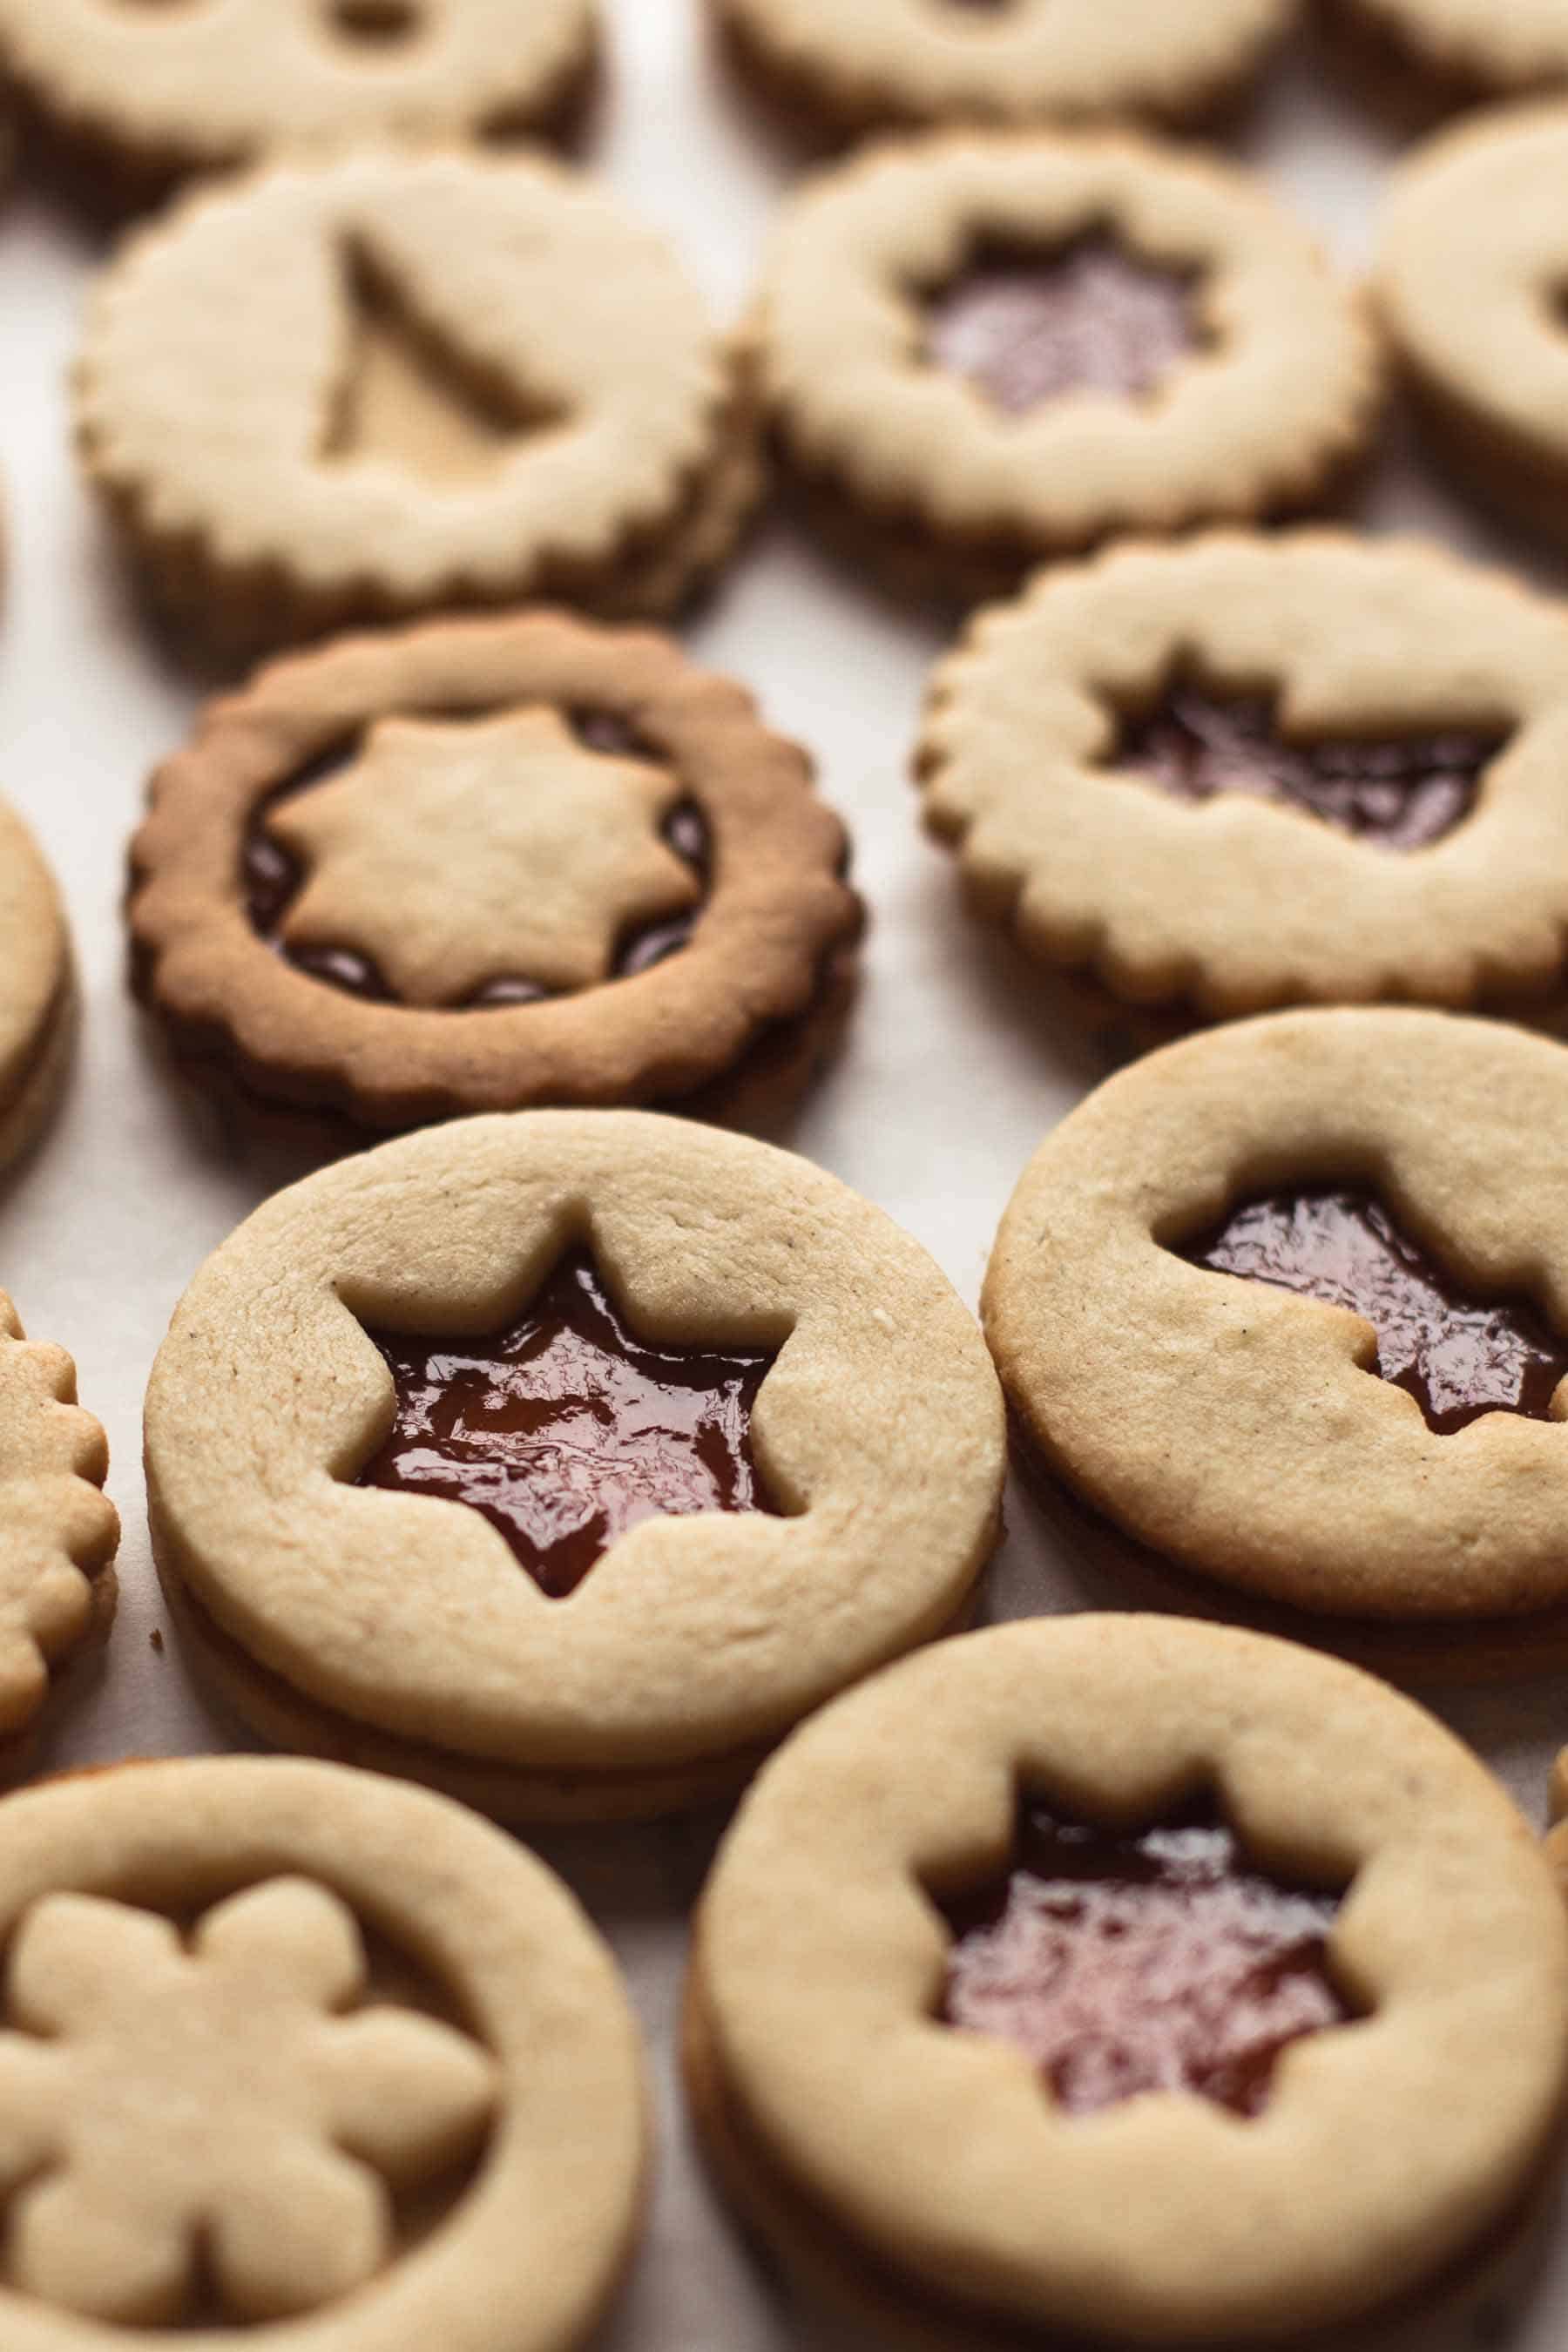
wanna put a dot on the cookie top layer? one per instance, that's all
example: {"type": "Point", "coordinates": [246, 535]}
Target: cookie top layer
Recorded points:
{"type": "Point", "coordinates": [219, 82]}
{"type": "Point", "coordinates": [1281, 387]}
{"type": "Point", "coordinates": [1472, 255]}
{"type": "Point", "coordinates": [938, 60]}
{"type": "Point", "coordinates": [584, 390]}
{"type": "Point", "coordinates": [35, 954]}
{"type": "Point", "coordinates": [1220, 892]}
{"type": "Point", "coordinates": [478, 825]}
{"type": "Point", "coordinates": [1238, 1428]}
{"type": "Point", "coordinates": [58, 1528]}
{"type": "Point", "coordinates": [694, 1636]}
{"type": "Point", "coordinates": [1386, 2145]}
{"type": "Point", "coordinates": [364, 2052]}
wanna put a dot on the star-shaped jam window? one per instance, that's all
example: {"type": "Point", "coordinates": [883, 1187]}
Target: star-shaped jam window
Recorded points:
{"type": "Point", "coordinates": [452, 854]}
{"type": "Point", "coordinates": [566, 1429]}
{"type": "Point", "coordinates": [216, 2107]}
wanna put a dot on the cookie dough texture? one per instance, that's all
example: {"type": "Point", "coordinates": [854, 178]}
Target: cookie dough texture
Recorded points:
{"type": "Point", "coordinates": [136, 95]}
{"type": "Point", "coordinates": [1232, 1429]}
{"type": "Point", "coordinates": [401, 1631]}
{"type": "Point", "coordinates": [58, 1530]}
{"type": "Point", "coordinates": [37, 990]}
{"type": "Point", "coordinates": [210, 2036]}
{"type": "Point", "coordinates": [453, 380]}
{"type": "Point", "coordinates": [1473, 258]}
{"type": "Point", "coordinates": [742, 1011]}
{"type": "Point", "coordinates": [924, 2177]}
{"type": "Point", "coordinates": [922, 61]}
{"type": "Point", "coordinates": [1240, 905]}
{"type": "Point", "coordinates": [946, 493]}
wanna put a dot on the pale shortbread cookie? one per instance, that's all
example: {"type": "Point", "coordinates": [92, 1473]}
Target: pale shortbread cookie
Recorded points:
{"type": "Point", "coordinates": [1473, 256]}
{"type": "Point", "coordinates": [1456, 51]}
{"type": "Point", "coordinates": [58, 1530]}
{"type": "Point", "coordinates": [135, 94]}
{"type": "Point", "coordinates": [946, 492]}
{"type": "Point", "coordinates": [1241, 903]}
{"type": "Point", "coordinates": [296, 2050]}
{"type": "Point", "coordinates": [926, 2178]}
{"type": "Point", "coordinates": [399, 1629]}
{"type": "Point", "coordinates": [454, 379]}
{"type": "Point", "coordinates": [37, 990]}
{"type": "Point", "coordinates": [493, 801]}
{"type": "Point", "coordinates": [889, 61]}
{"type": "Point", "coordinates": [1234, 1431]}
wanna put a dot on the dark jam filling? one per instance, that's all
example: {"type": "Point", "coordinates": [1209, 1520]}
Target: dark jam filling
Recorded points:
{"type": "Point", "coordinates": [566, 1429]}
{"type": "Point", "coordinates": [1092, 317]}
{"type": "Point", "coordinates": [273, 877]}
{"type": "Point", "coordinates": [1399, 792]}
{"type": "Point", "coordinates": [1457, 1355]}
{"type": "Point", "coordinates": [1158, 1960]}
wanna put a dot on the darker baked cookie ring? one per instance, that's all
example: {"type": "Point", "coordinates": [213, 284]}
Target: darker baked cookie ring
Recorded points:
{"type": "Point", "coordinates": [1282, 1315]}
{"type": "Point", "coordinates": [488, 864]}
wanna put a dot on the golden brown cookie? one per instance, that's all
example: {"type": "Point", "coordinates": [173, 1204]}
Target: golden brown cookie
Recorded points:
{"type": "Point", "coordinates": [1245, 771]}
{"type": "Point", "coordinates": [487, 863]}
{"type": "Point", "coordinates": [37, 989]}
{"type": "Point", "coordinates": [544, 1474]}
{"type": "Point", "coordinates": [981, 349]}
{"type": "Point", "coordinates": [454, 379]}
{"type": "Point", "coordinates": [58, 1530]}
{"type": "Point", "coordinates": [845, 71]}
{"type": "Point", "coordinates": [296, 2052]}
{"type": "Point", "coordinates": [132, 96]}
{"type": "Point", "coordinates": [1472, 254]}
{"type": "Point", "coordinates": [1282, 1309]}
{"type": "Point", "coordinates": [1110, 1981]}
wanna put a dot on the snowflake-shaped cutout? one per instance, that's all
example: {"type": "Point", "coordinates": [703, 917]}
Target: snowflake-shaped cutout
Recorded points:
{"type": "Point", "coordinates": [216, 2103]}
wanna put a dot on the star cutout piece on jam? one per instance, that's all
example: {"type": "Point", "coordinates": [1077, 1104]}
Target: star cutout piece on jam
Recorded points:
{"type": "Point", "coordinates": [566, 1428]}
{"type": "Point", "coordinates": [452, 851]}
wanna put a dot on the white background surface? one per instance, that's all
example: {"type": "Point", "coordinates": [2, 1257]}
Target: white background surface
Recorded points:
{"type": "Point", "coordinates": [949, 1083]}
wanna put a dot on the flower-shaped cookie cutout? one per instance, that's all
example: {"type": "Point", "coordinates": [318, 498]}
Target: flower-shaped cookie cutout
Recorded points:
{"type": "Point", "coordinates": [211, 2101]}
{"type": "Point", "coordinates": [58, 1528]}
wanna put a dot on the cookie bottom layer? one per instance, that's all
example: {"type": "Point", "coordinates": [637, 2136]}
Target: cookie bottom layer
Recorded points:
{"type": "Point", "coordinates": [1412, 88]}
{"type": "Point", "coordinates": [33, 1104]}
{"type": "Point", "coordinates": [67, 1674]}
{"type": "Point", "coordinates": [1484, 460]}
{"type": "Point", "coordinates": [1478, 2291]}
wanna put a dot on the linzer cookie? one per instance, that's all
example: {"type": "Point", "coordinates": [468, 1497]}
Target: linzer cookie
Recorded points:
{"type": "Point", "coordinates": [1203, 781]}
{"type": "Point", "coordinates": [295, 2053]}
{"type": "Point", "coordinates": [133, 97]}
{"type": "Point", "coordinates": [1114, 1981]}
{"type": "Point", "coordinates": [453, 380]}
{"type": "Point", "coordinates": [543, 1471]}
{"type": "Point", "coordinates": [1282, 1313]}
{"type": "Point", "coordinates": [487, 863]}
{"type": "Point", "coordinates": [1472, 260]}
{"type": "Point", "coordinates": [845, 70]}
{"type": "Point", "coordinates": [37, 989]}
{"type": "Point", "coordinates": [58, 1530]}
{"type": "Point", "coordinates": [1422, 55]}
{"type": "Point", "coordinates": [982, 351]}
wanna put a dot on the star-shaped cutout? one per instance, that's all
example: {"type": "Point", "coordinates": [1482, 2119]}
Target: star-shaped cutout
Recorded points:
{"type": "Point", "coordinates": [566, 1428]}
{"type": "Point", "coordinates": [456, 852]}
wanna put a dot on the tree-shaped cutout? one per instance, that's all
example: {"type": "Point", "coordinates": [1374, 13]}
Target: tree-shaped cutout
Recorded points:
{"type": "Point", "coordinates": [221, 2102]}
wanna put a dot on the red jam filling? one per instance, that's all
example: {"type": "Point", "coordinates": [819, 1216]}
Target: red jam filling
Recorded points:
{"type": "Point", "coordinates": [1153, 1961]}
{"type": "Point", "coordinates": [1459, 1356]}
{"type": "Point", "coordinates": [566, 1429]}
{"type": "Point", "coordinates": [272, 878]}
{"type": "Point", "coordinates": [1398, 794]}
{"type": "Point", "coordinates": [1090, 318]}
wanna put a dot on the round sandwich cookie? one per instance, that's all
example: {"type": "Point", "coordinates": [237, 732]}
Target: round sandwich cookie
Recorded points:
{"type": "Point", "coordinates": [38, 1004]}
{"type": "Point", "coordinates": [1473, 254]}
{"type": "Point", "coordinates": [1282, 1315]}
{"type": "Point", "coordinates": [486, 863]}
{"type": "Point", "coordinates": [981, 349]}
{"type": "Point", "coordinates": [58, 1532]}
{"type": "Point", "coordinates": [453, 379]}
{"type": "Point", "coordinates": [1113, 1981]}
{"type": "Point", "coordinates": [1422, 57]}
{"type": "Point", "coordinates": [840, 72]}
{"type": "Point", "coordinates": [545, 1473]}
{"type": "Point", "coordinates": [1203, 781]}
{"type": "Point", "coordinates": [292, 2055]}
{"type": "Point", "coordinates": [130, 98]}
